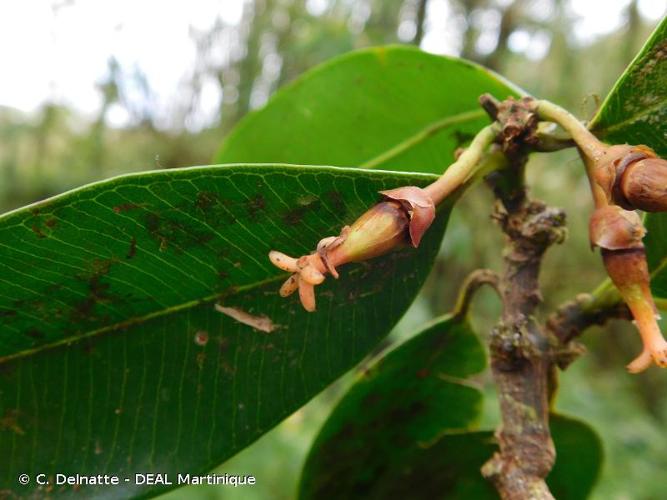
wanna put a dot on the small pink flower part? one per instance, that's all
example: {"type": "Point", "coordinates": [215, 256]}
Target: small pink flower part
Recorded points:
{"type": "Point", "coordinates": [307, 270]}
{"type": "Point", "coordinates": [380, 229]}
{"type": "Point", "coordinates": [289, 286]}
{"type": "Point", "coordinates": [282, 261]}
{"type": "Point", "coordinates": [419, 206]}
{"type": "Point", "coordinates": [307, 295]}
{"type": "Point", "coordinates": [328, 244]}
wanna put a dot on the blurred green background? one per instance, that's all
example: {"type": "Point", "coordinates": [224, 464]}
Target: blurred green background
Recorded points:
{"type": "Point", "coordinates": [138, 111]}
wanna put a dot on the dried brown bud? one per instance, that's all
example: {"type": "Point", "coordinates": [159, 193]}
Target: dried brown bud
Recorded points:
{"type": "Point", "coordinates": [632, 177]}
{"type": "Point", "coordinates": [606, 165]}
{"type": "Point", "coordinates": [613, 228]}
{"type": "Point", "coordinates": [643, 185]}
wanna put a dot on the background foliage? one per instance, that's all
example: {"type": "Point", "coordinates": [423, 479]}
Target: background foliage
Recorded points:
{"type": "Point", "coordinates": [55, 149]}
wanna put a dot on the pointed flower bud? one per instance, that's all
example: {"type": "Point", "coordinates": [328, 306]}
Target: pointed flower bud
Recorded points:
{"type": "Point", "coordinates": [403, 217]}
{"type": "Point", "coordinates": [619, 233]}
{"type": "Point", "coordinates": [643, 185]}
{"type": "Point", "coordinates": [629, 272]}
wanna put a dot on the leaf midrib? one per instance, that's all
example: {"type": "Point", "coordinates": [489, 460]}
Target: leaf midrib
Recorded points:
{"type": "Point", "coordinates": [421, 135]}
{"type": "Point", "coordinates": [137, 320]}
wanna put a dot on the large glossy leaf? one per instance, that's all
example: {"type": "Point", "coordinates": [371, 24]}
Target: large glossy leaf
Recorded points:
{"type": "Point", "coordinates": [391, 107]}
{"type": "Point", "coordinates": [635, 112]}
{"type": "Point", "coordinates": [112, 357]}
{"type": "Point", "coordinates": [404, 430]}
{"type": "Point", "coordinates": [403, 404]}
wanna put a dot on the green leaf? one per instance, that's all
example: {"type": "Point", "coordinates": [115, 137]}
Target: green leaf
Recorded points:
{"type": "Point", "coordinates": [394, 435]}
{"type": "Point", "coordinates": [112, 357]}
{"type": "Point", "coordinates": [656, 252]}
{"type": "Point", "coordinates": [635, 111]}
{"type": "Point", "coordinates": [579, 458]}
{"type": "Point", "coordinates": [400, 407]}
{"type": "Point", "coordinates": [391, 107]}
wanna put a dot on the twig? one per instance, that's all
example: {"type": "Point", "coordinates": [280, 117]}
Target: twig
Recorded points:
{"type": "Point", "coordinates": [472, 283]}
{"type": "Point", "coordinates": [572, 318]}
{"type": "Point", "coordinates": [522, 358]}
{"type": "Point", "coordinates": [465, 167]}
{"type": "Point", "coordinates": [586, 141]}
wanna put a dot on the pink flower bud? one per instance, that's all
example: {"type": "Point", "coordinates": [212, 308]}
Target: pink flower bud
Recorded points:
{"type": "Point", "coordinates": [402, 218]}
{"type": "Point", "coordinates": [619, 234]}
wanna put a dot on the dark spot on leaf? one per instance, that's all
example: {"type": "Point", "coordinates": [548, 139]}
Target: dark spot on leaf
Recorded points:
{"type": "Point", "coordinates": [215, 210]}
{"type": "Point", "coordinates": [153, 227]}
{"type": "Point", "coordinates": [335, 199]}
{"type": "Point", "coordinates": [34, 304]}
{"type": "Point", "coordinates": [38, 231]}
{"type": "Point", "coordinates": [133, 248]}
{"type": "Point", "coordinates": [98, 290]}
{"type": "Point", "coordinates": [88, 347]}
{"type": "Point", "coordinates": [223, 275]}
{"type": "Point", "coordinates": [10, 421]}
{"type": "Point", "coordinates": [176, 231]}
{"type": "Point", "coordinates": [205, 200]}
{"type": "Point", "coordinates": [51, 222]}
{"type": "Point", "coordinates": [296, 215]}
{"type": "Point", "coordinates": [35, 334]}
{"type": "Point", "coordinates": [125, 207]}
{"type": "Point", "coordinates": [7, 313]}
{"type": "Point", "coordinates": [405, 413]}
{"type": "Point", "coordinates": [255, 205]}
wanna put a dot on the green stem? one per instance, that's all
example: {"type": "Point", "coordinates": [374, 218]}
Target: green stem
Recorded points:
{"type": "Point", "coordinates": [586, 141]}
{"type": "Point", "coordinates": [468, 288]}
{"type": "Point", "coordinates": [548, 141]}
{"type": "Point", "coordinates": [467, 166]}
{"type": "Point", "coordinates": [590, 147]}
{"type": "Point", "coordinates": [605, 296]}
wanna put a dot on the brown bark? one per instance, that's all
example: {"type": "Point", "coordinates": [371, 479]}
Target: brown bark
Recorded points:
{"type": "Point", "coordinates": [572, 318]}
{"type": "Point", "coordinates": [523, 356]}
